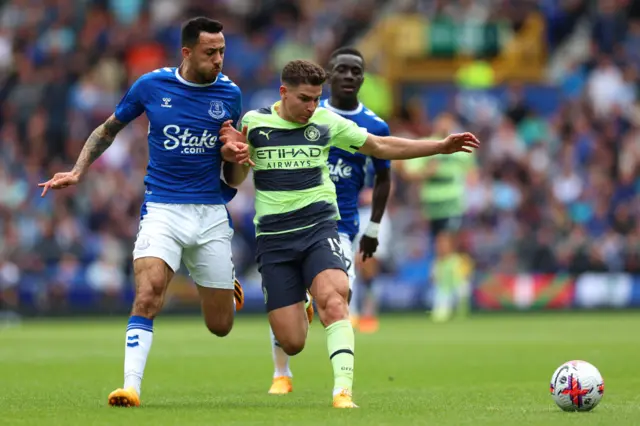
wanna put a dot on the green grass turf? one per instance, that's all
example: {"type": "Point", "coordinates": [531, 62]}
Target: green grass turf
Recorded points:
{"type": "Point", "coordinates": [488, 370]}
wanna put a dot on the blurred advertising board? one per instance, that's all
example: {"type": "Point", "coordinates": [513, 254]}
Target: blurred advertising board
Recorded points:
{"type": "Point", "coordinates": [547, 292]}
{"type": "Point", "coordinates": [491, 292]}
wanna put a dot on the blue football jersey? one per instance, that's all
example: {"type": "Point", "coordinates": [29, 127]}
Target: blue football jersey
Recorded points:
{"type": "Point", "coordinates": [349, 171]}
{"type": "Point", "coordinates": [184, 123]}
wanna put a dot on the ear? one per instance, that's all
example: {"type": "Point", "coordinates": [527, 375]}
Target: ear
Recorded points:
{"type": "Point", "coordinates": [283, 91]}
{"type": "Point", "coordinates": [185, 52]}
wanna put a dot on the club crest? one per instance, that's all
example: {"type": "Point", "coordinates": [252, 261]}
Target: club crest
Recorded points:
{"type": "Point", "coordinates": [216, 110]}
{"type": "Point", "coordinates": [311, 134]}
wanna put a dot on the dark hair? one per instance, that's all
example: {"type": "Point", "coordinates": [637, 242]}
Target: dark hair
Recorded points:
{"type": "Point", "coordinates": [346, 51]}
{"type": "Point", "coordinates": [193, 27]}
{"type": "Point", "coordinates": [300, 72]}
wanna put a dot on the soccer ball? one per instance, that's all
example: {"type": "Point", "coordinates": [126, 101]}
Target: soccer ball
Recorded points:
{"type": "Point", "coordinates": [577, 386]}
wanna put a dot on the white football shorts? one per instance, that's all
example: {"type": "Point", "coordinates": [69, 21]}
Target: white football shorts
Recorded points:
{"type": "Point", "coordinates": [197, 234]}
{"type": "Point", "coordinates": [347, 249]}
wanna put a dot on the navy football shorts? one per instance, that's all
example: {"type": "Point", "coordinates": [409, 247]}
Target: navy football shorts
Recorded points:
{"type": "Point", "coordinates": [289, 262]}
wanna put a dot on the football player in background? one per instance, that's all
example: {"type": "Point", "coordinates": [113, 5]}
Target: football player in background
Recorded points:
{"type": "Point", "coordinates": [441, 180]}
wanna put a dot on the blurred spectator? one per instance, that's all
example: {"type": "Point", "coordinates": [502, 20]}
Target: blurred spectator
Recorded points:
{"type": "Point", "coordinates": [549, 194]}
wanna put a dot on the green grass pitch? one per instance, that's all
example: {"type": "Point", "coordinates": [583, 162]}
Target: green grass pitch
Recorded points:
{"type": "Point", "coordinates": [488, 370]}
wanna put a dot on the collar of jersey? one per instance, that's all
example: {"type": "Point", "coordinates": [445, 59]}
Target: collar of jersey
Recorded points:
{"type": "Point", "coordinates": [188, 83]}
{"type": "Point", "coordinates": [356, 111]}
{"type": "Point", "coordinates": [285, 123]}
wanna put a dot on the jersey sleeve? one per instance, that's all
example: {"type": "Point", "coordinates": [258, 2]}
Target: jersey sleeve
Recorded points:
{"type": "Point", "coordinates": [131, 106]}
{"type": "Point", "coordinates": [346, 135]}
{"type": "Point", "coordinates": [245, 121]}
{"type": "Point", "coordinates": [380, 164]}
{"type": "Point", "coordinates": [248, 120]}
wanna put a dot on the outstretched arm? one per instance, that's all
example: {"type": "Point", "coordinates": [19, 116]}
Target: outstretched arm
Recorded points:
{"type": "Point", "coordinates": [393, 148]}
{"type": "Point", "coordinates": [97, 143]}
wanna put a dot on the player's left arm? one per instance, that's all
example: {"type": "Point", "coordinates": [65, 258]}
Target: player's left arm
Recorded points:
{"type": "Point", "coordinates": [348, 136]}
{"type": "Point", "coordinates": [381, 190]}
{"type": "Point", "coordinates": [394, 148]}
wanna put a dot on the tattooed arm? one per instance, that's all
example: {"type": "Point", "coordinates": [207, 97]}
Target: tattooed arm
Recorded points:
{"type": "Point", "coordinates": [97, 143]}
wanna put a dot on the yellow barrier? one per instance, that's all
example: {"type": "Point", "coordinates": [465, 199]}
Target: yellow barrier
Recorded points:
{"type": "Point", "coordinates": [400, 46]}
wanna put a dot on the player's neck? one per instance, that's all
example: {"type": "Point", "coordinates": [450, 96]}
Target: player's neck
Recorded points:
{"type": "Point", "coordinates": [344, 104]}
{"type": "Point", "coordinates": [283, 114]}
{"type": "Point", "coordinates": [187, 73]}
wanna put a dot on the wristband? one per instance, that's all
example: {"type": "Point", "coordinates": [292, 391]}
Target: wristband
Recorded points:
{"type": "Point", "coordinates": [372, 230]}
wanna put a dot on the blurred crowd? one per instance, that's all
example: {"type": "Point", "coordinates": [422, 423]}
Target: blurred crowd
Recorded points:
{"type": "Point", "coordinates": [548, 194]}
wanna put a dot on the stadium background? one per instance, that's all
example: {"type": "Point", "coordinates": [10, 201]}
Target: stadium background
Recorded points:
{"type": "Point", "coordinates": [550, 87]}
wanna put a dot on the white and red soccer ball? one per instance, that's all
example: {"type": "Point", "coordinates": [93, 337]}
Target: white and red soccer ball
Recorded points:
{"type": "Point", "coordinates": [577, 386]}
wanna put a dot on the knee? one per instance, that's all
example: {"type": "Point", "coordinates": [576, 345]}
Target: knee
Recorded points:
{"type": "Point", "coordinates": [220, 326]}
{"type": "Point", "coordinates": [148, 300]}
{"type": "Point", "coordinates": [293, 345]}
{"type": "Point", "coordinates": [334, 307]}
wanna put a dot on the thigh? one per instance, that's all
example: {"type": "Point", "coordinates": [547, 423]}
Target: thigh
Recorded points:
{"type": "Point", "coordinates": [210, 261]}
{"type": "Point", "coordinates": [290, 325]}
{"type": "Point", "coordinates": [347, 250]}
{"type": "Point", "coordinates": [282, 284]}
{"type": "Point", "coordinates": [159, 235]}
{"type": "Point", "coordinates": [325, 254]}
{"type": "Point", "coordinates": [217, 305]}
{"type": "Point", "coordinates": [151, 271]}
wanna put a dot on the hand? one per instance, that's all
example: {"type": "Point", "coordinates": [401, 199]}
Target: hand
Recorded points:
{"type": "Point", "coordinates": [59, 181]}
{"type": "Point", "coordinates": [236, 152]}
{"type": "Point", "coordinates": [459, 142]}
{"type": "Point", "coordinates": [229, 134]}
{"type": "Point", "coordinates": [235, 148]}
{"type": "Point", "coordinates": [368, 246]}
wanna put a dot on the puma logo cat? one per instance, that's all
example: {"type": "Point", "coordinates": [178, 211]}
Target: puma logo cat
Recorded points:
{"type": "Point", "coordinates": [265, 134]}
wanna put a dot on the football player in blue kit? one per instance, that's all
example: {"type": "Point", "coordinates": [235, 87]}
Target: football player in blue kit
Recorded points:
{"type": "Point", "coordinates": [183, 217]}
{"type": "Point", "coordinates": [348, 172]}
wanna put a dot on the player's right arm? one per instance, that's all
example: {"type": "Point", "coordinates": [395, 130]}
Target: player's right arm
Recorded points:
{"type": "Point", "coordinates": [97, 143]}
{"type": "Point", "coordinates": [130, 107]}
